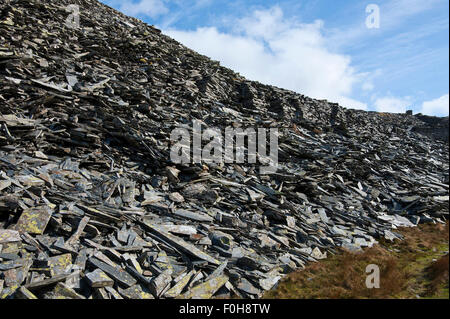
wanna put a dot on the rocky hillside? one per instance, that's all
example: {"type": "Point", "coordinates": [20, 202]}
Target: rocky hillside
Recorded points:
{"type": "Point", "coordinates": [92, 206]}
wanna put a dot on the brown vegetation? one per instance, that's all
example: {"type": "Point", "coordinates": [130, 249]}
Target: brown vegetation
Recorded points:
{"type": "Point", "coordinates": [438, 274]}
{"type": "Point", "coordinates": [405, 270]}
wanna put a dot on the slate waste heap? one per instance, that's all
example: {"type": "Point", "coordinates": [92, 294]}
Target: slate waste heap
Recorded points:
{"type": "Point", "coordinates": [92, 207]}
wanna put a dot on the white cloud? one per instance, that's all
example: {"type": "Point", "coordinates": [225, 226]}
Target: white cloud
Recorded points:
{"type": "Point", "coordinates": [437, 107]}
{"type": "Point", "coordinates": [392, 104]}
{"type": "Point", "coordinates": [271, 49]}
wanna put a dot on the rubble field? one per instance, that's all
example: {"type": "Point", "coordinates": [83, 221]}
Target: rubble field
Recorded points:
{"type": "Point", "coordinates": [91, 205]}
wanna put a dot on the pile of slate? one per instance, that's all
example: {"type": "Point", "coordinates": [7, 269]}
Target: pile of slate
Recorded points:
{"type": "Point", "coordinates": [92, 207]}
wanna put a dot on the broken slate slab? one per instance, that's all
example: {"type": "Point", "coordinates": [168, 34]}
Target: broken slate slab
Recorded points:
{"type": "Point", "coordinates": [181, 244]}
{"type": "Point", "coordinates": [99, 279]}
{"type": "Point", "coordinates": [118, 274]}
{"type": "Point", "coordinates": [62, 291]}
{"type": "Point", "coordinates": [9, 236]}
{"type": "Point", "coordinates": [207, 289]}
{"type": "Point", "coordinates": [160, 283]}
{"type": "Point", "coordinates": [34, 220]}
{"type": "Point", "coordinates": [177, 289]}
{"type": "Point", "coordinates": [60, 264]}
{"type": "Point", "coordinates": [200, 217]}
{"type": "Point", "coordinates": [24, 293]}
{"type": "Point", "coordinates": [135, 292]}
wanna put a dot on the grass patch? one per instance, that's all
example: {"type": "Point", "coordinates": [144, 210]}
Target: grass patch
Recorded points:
{"type": "Point", "coordinates": [416, 267]}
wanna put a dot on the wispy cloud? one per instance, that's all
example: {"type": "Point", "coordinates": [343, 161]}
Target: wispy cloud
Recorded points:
{"type": "Point", "coordinates": [392, 14]}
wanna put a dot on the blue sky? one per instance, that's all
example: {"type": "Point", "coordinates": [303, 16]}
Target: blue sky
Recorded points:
{"type": "Point", "coordinates": [320, 48]}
